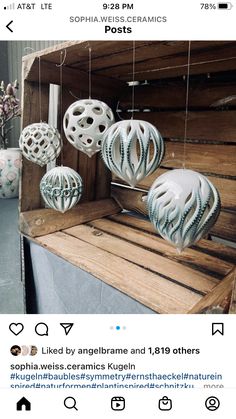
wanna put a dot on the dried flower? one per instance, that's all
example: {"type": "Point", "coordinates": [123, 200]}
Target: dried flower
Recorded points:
{"type": "Point", "coordinates": [9, 109]}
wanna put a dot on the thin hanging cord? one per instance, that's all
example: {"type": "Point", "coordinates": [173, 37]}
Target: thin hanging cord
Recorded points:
{"type": "Point", "coordinates": [62, 62]}
{"type": "Point", "coordinates": [90, 69]}
{"type": "Point", "coordinates": [61, 110]}
{"type": "Point", "coordinates": [40, 92]}
{"type": "Point", "coordinates": [133, 80]}
{"type": "Point", "coordinates": [186, 104]}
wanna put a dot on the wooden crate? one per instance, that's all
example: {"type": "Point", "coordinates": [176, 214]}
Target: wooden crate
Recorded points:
{"type": "Point", "coordinates": [122, 249]}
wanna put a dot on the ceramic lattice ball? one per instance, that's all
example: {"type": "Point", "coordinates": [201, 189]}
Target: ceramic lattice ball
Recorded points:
{"type": "Point", "coordinates": [40, 143]}
{"type": "Point", "coordinates": [132, 150]}
{"type": "Point", "coordinates": [61, 188]}
{"type": "Point", "coordinates": [85, 123]}
{"type": "Point", "coordinates": [183, 205]}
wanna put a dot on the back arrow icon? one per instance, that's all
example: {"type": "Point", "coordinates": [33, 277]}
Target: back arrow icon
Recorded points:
{"type": "Point", "coordinates": [8, 26]}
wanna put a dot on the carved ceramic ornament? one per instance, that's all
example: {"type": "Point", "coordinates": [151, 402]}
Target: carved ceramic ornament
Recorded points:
{"type": "Point", "coordinates": [85, 123]}
{"type": "Point", "coordinates": [40, 143]}
{"type": "Point", "coordinates": [183, 205]}
{"type": "Point", "coordinates": [132, 149]}
{"type": "Point", "coordinates": [61, 188]}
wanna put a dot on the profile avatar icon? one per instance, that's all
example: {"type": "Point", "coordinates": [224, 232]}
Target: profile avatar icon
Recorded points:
{"type": "Point", "coordinates": [15, 350]}
{"type": "Point", "coordinates": [25, 350]}
{"type": "Point", "coordinates": [212, 403]}
{"type": "Point", "coordinates": [33, 350]}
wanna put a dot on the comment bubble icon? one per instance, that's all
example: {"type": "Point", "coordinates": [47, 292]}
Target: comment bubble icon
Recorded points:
{"type": "Point", "coordinates": [41, 329]}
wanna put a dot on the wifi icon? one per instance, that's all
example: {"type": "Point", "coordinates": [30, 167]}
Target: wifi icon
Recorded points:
{"type": "Point", "coordinates": [10, 6]}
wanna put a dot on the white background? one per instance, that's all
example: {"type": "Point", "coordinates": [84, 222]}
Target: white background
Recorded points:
{"type": "Point", "coordinates": [185, 20]}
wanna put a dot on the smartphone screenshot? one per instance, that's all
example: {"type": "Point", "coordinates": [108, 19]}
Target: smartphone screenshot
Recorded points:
{"type": "Point", "coordinates": [117, 209]}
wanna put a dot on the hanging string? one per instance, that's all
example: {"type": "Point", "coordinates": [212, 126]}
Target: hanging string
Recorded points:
{"type": "Point", "coordinates": [62, 62]}
{"type": "Point", "coordinates": [133, 80]}
{"type": "Point", "coordinates": [90, 70]}
{"type": "Point", "coordinates": [186, 103]}
{"type": "Point", "coordinates": [73, 95]}
{"type": "Point", "coordinates": [40, 92]}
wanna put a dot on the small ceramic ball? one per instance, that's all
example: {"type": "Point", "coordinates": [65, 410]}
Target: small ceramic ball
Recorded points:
{"type": "Point", "coordinates": [85, 123]}
{"type": "Point", "coordinates": [40, 143]}
{"type": "Point", "coordinates": [61, 188]}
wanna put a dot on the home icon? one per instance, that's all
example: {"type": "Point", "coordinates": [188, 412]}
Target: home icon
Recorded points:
{"type": "Point", "coordinates": [23, 404]}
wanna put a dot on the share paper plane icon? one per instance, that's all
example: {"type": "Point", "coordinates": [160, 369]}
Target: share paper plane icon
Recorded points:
{"type": "Point", "coordinates": [67, 327]}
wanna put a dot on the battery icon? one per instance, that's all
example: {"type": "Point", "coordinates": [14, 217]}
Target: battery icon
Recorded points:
{"type": "Point", "coordinates": [225, 6]}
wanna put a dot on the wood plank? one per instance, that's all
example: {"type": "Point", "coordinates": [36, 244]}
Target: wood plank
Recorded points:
{"type": "Point", "coordinates": [207, 126]}
{"type": "Point", "coordinates": [218, 250]}
{"type": "Point", "coordinates": [144, 258]}
{"type": "Point", "coordinates": [149, 289]}
{"type": "Point", "coordinates": [69, 155]}
{"type": "Point", "coordinates": [130, 199]}
{"type": "Point", "coordinates": [71, 77]}
{"type": "Point", "coordinates": [103, 179]}
{"type": "Point", "coordinates": [40, 222]}
{"type": "Point", "coordinates": [216, 296]}
{"type": "Point", "coordinates": [209, 159]}
{"type": "Point", "coordinates": [204, 60]}
{"type": "Point", "coordinates": [77, 51]}
{"type": "Point", "coordinates": [30, 197]}
{"type": "Point", "coordinates": [133, 200]}
{"type": "Point", "coordinates": [172, 94]}
{"type": "Point", "coordinates": [225, 187]}
{"type": "Point", "coordinates": [232, 307]}
{"type": "Point", "coordinates": [225, 226]}
{"type": "Point", "coordinates": [146, 52]}
{"type": "Point", "coordinates": [116, 57]}
{"type": "Point", "coordinates": [190, 257]}
{"type": "Point", "coordinates": [87, 167]}
{"type": "Point", "coordinates": [205, 158]}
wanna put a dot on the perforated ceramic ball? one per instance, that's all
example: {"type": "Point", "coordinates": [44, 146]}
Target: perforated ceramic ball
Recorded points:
{"type": "Point", "coordinates": [40, 143]}
{"type": "Point", "coordinates": [183, 205]}
{"type": "Point", "coordinates": [85, 123]}
{"type": "Point", "coordinates": [61, 188]}
{"type": "Point", "coordinates": [132, 150]}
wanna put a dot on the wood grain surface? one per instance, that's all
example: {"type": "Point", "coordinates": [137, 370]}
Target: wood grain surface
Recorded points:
{"type": "Point", "coordinates": [232, 308]}
{"type": "Point", "coordinates": [44, 221]}
{"type": "Point", "coordinates": [220, 251]}
{"type": "Point", "coordinates": [31, 174]}
{"type": "Point", "coordinates": [146, 287]}
{"type": "Point", "coordinates": [216, 296]}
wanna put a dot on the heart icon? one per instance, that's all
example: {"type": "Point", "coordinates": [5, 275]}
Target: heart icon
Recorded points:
{"type": "Point", "coordinates": [16, 328]}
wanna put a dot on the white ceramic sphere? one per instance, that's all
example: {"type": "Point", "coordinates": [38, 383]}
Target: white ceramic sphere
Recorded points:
{"type": "Point", "coordinates": [40, 143]}
{"type": "Point", "coordinates": [183, 205]}
{"type": "Point", "coordinates": [61, 188]}
{"type": "Point", "coordinates": [132, 150]}
{"type": "Point", "coordinates": [85, 123]}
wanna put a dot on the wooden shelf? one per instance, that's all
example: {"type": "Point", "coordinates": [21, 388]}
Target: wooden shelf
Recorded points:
{"type": "Point", "coordinates": [128, 256]}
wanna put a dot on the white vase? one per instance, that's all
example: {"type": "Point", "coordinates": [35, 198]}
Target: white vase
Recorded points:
{"type": "Point", "coordinates": [10, 163]}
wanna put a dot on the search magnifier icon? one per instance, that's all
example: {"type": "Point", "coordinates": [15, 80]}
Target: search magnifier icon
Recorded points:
{"type": "Point", "coordinates": [70, 403]}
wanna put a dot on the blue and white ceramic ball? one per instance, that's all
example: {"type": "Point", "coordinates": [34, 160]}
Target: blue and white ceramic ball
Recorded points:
{"type": "Point", "coordinates": [183, 205]}
{"type": "Point", "coordinates": [132, 150]}
{"type": "Point", "coordinates": [61, 188]}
